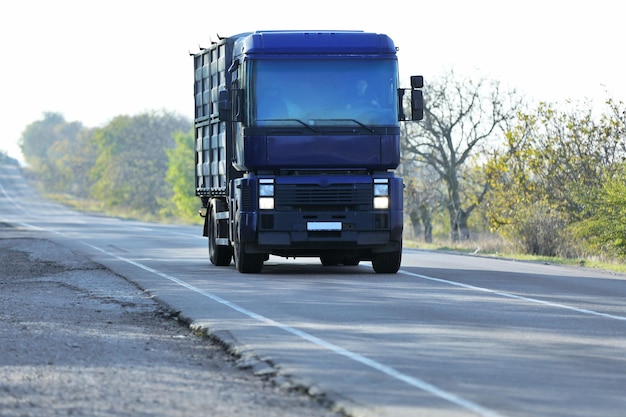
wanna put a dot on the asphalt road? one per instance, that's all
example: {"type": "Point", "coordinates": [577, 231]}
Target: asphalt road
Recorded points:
{"type": "Point", "coordinates": [448, 335]}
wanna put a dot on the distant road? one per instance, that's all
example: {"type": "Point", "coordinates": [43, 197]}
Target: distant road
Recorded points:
{"type": "Point", "coordinates": [448, 335]}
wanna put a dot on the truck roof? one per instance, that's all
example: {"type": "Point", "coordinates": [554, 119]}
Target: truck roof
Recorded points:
{"type": "Point", "coordinates": [312, 42]}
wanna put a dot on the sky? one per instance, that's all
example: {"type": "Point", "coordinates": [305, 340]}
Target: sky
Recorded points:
{"type": "Point", "coordinates": [94, 60]}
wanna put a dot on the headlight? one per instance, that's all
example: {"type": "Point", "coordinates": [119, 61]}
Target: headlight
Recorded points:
{"type": "Point", "coordinates": [266, 190]}
{"type": "Point", "coordinates": [381, 202]}
{"type": "Point", "coordinates": [266, 194]}
{"type": "Point", "coordinates": [266, 203]}
{"type": "Point", "coordinates": [381, 189]}
{"type": "Point", "coordinates": [381, 193]}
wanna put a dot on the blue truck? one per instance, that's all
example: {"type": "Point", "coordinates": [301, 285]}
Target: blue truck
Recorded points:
{"type": "Point", "coordinates": [297, 138]}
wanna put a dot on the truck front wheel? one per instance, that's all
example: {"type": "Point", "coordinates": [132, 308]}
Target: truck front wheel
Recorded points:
{"type": "Point", "coordinates": [247, 263]}
{"type": "Point", "coordinates": [387, 262]}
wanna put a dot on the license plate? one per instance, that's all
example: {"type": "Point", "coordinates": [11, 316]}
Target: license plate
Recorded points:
{"type": "Point", "coordinates": [323, 226]}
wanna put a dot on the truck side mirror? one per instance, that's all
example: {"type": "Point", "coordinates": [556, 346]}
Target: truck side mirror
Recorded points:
{"type": "Point", "coordinates": [417, 97]}
{"type": "Point", "coordinates": [417, 105]}
{"type": "Point", "coordinates": [417, 81]}
{"type": "Point", "coordinates": [223, 105]}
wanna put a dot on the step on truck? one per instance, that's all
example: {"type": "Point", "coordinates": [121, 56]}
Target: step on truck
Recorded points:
{"type": "Point", "coordinates": [297, 138]}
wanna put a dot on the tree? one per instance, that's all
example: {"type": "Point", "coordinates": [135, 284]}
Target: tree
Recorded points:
{"type": "Point", "coordinates": [605, 227]}
{"type": "Point", "coordinates": [550, 175]}
{"type": "Point", "coordinates": [422, 197]}
{"type": "Point", "coordinates": [48, 146]}
{"type": "Point", "coordinates": [78, 160]}
{"type": "Point", "coordinates": [132, 162]}
{"type": "Point", "coordinates": [180, 176]}
{"type": "Point", "coordinates": [461, 116]}
{"type": "Point", "coordinates": [37, 139]}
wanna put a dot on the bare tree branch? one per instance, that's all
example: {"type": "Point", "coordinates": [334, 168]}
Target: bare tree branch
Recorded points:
{"type": "Point", "coordinates": [461, 116]}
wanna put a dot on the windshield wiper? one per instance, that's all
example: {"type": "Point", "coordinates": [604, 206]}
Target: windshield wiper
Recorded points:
{"type": "Point", "coordinates": [363, 125]}
{"type": "Point", "coordinates": [308, 126]}
{"type": "Point", "coordinates": [317, 127]}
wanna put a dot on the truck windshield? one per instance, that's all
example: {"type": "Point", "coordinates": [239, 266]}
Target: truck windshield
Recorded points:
{"type": "Point", "coordinates": [327, 92]}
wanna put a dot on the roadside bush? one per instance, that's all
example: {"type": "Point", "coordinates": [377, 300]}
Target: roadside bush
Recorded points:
{"type": "Point", "coordinates": [542, 231]}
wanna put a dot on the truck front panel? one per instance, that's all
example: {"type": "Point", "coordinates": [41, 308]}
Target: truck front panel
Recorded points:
{"type": "Point", "coordinates": [310, 214]}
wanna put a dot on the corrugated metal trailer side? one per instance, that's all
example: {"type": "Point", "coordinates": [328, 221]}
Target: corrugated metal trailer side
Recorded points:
{"type": "Point", "coordinates": [213, 151]}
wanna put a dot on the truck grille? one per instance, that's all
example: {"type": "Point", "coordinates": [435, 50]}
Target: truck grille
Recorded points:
{"type": "Point", "coordinates": [246, 198]}
{"type": "Point", "coordinates": [330, 197]}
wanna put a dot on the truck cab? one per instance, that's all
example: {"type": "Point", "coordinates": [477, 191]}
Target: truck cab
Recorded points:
{"type": "Point", "coordinates": [297, 137]}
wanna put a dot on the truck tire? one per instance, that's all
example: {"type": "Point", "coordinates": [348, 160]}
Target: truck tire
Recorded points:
{"type": "Point", "coordinates": [247, 263]}
{"type": "Point", "coordinates": [218, 254]}
{"type": "Point", "coordinates": [387, 262]}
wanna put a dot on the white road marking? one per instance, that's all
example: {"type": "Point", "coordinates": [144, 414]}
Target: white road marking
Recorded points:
{"type": "Point", "coordinates": [387, 370]}
{"type": "Point", "coordinates": [515, 297]}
